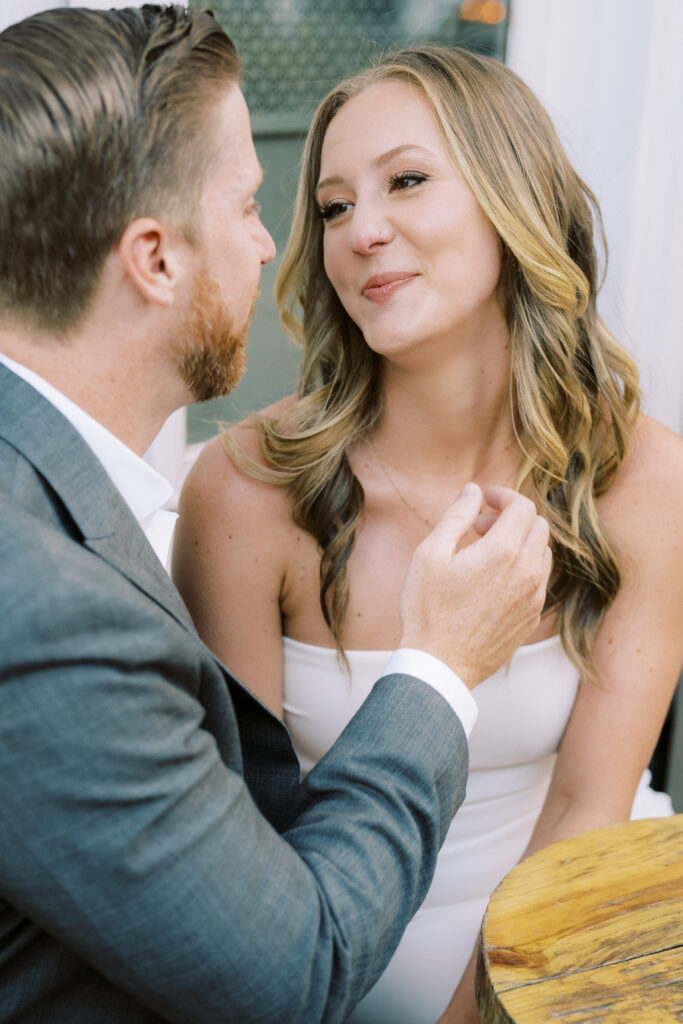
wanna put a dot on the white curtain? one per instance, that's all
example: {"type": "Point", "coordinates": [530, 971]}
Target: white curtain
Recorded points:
{"type": "Point", "coordinates": [611, 76]}
{"type": "Point", "coordinates": [15, 10]}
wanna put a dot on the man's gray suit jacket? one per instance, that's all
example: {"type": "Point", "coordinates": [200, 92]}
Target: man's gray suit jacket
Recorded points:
{"type": "Point", "coordinates": [159, 860]}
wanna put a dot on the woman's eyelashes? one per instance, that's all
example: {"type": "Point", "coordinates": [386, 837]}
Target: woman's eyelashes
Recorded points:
{"type": "Point", "coordinates": [404, 180]}
{"type": "Point", "coordinates": [333, 209]}
{"type": "Point", "coordinates": [400, 182]}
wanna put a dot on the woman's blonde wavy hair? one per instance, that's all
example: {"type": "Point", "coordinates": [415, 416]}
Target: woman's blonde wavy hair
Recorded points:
{"type": "Point", "coordinates": [573, 389]}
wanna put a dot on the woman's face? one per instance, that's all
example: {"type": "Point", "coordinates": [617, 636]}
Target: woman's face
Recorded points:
{"type": "Point", "coordinates": [406, 246]}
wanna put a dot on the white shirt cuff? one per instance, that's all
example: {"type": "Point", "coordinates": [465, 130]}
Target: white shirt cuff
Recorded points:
{"type": "Point", "coordinates": [440, 677]}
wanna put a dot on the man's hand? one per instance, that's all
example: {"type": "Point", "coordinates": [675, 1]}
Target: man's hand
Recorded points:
{"type": "Point", "coordinates": [473, 607]}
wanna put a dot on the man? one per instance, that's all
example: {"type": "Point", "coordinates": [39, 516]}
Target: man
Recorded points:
{"type": "Point", "coordinates": [159, 860]}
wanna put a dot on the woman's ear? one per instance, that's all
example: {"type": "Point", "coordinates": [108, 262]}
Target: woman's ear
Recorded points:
{"type": "Point", "coordinates": [153, 257]}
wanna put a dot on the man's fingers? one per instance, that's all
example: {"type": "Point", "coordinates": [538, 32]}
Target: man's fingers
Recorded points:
{"type": "Point", "coordinates": [458, 518]}
{"type": "Point", "coordinates": [518, 524]}
{"type": "Point", "coordinates": [547, 568]}
{"type": "Point", "coordinates": [537, 550]}
{"type": "Point", "coordinates": [513, 516]}
{"type": "Point", "coordinates": [484, 522]}
{"type": "Point", "coordinates": [538, 536]}
{"type": "Point", "coordinates": [499, 497]}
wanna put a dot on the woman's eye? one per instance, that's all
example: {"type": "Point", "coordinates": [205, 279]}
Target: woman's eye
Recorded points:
{"type": "Point", "coordinates": [405, 180]}
{"type": "Point", "coordinates": [334, 209]}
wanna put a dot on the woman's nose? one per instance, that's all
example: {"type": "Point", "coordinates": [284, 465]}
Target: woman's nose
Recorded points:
{"type": "Point", "coordinates": [368, 229]}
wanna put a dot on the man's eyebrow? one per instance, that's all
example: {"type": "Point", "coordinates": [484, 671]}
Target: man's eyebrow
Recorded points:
{"type": "Point", "coordinates": [379, 161]}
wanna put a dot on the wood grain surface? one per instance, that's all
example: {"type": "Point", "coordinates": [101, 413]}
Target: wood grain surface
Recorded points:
{"type": "Point", "coordinates": [589, 931]}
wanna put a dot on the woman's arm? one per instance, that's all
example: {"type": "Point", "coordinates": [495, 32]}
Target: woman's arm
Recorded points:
{"type": "Point", "coordinates": [638, 651]}
{"type": "Point", "coordinates": [229, 563]}
{"type": "Point", "coordinates": [616, 720]}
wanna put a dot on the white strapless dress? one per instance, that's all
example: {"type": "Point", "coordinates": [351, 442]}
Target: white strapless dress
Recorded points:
{"type": "Point", "coordinates": [523, 712]}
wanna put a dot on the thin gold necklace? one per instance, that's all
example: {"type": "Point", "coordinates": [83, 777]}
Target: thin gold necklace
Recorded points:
{"type": "Point", "coordinates": [385, 469]}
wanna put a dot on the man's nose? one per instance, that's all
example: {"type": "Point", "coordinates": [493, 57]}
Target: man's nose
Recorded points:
{"type": "Point", "coordinates": [267, 246]}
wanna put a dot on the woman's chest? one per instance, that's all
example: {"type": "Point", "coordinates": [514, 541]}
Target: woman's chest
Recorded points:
{"type": "Point", "coordinates": [375, 573]}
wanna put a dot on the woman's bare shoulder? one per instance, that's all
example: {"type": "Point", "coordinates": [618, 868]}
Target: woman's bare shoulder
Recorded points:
{"type": "Point", "coordinates": [652, 438]}
{"type": "Point", "coordinates": [216, 485]}
{"type": "Point", "coordinates": [654, 454]}
{"type": "Point", "coordinates": [644, 503]}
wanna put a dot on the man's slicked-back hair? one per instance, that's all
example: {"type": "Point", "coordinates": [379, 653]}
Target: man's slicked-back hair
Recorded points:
{"type": "Point", "coordinates": [105, 116]}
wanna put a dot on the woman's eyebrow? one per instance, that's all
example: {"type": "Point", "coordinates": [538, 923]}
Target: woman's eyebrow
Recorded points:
{"type": "Point", "coordinates": [383, 158]}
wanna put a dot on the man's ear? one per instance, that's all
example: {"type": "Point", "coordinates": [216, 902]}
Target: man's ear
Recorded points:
{"type": "Point", "coordinates": [152, 257]}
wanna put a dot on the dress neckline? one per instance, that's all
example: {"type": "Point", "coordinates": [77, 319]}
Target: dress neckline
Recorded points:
{"type": "Point", "coordinates": [539, 645]}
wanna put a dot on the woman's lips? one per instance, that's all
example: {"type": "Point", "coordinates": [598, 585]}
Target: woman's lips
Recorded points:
{"type": "Point", "coordinates": [381, 287]}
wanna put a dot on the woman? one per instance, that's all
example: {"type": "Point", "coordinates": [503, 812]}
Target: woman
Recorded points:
{"type": "Point", "coordinates": [441, 279]}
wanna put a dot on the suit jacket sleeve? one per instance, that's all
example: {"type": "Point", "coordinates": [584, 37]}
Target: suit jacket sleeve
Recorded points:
{"type": "Point", "coordinates": [127, 836]}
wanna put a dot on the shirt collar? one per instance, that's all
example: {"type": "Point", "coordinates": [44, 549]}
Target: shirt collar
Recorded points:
{"type": "Point", "coordinates": [141, 487]}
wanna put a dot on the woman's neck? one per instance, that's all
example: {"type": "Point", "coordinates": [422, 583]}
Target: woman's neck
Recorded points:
{"type": "Point", "coordinates": [452, 414]}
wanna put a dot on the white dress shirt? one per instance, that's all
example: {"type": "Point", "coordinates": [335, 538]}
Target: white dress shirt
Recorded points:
{"type": "Point", "coordinates": [145, 491]}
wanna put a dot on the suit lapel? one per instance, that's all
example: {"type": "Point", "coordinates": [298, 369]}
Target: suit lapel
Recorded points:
{"type": "Point", "coordinates": [47, 440]}
{"type": "Point", "coordinates": [138, 563]}
{"type": "Point", "coordinates": [39, 432]}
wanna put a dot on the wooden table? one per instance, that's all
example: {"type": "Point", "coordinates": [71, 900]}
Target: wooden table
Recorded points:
{"type": "Point", "coordinates": [589, 931]}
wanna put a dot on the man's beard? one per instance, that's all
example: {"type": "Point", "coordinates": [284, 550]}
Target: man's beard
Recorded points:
{"type": "Point", "coordinates": [213, 355]}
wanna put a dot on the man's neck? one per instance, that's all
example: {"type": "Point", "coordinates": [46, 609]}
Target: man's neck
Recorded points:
{"type": "Point", "coordinates": [122, 394]}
